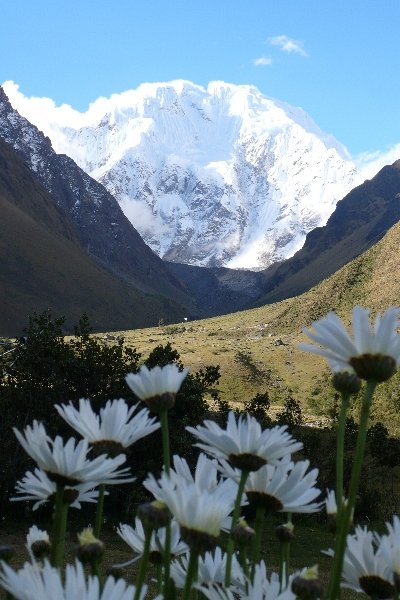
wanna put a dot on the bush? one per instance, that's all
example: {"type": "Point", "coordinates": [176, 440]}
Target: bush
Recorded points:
{"type": "Point", "coordinates": [46, 369]}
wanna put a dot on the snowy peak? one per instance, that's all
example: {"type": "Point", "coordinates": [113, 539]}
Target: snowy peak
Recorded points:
{"type": "Point", "coordinates": [222, 176]}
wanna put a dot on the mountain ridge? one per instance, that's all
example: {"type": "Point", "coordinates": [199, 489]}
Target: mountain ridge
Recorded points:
{"type": "Point", "coordinates": [222, 176]}
{"type": "Point", "coordinates": [44, 267]}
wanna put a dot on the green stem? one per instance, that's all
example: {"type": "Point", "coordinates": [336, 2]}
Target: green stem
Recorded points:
{"type": "Point", "coordinates": [99, 511]}
{"type": "Point", "coordinates": [281, 563]}
{"type": "Point", "coordinates": [243, 560]}
{"type": "Point", "coordinates": [347, 512]}
{"type": "Point", "coordinates": [59, 528]}
{"type": "Point", "coordinates": [95, 568]}
{"type": "Point", "coordinates": [167, 466]}
{"type": "Point", "coordinates": [340, 450]}
{"type": "Point", "coordinates": [159, 579]}
{"type": "Point", "coordinates": [165, 439]}
{"type": "Point", "coordinates": [143, 561]}
{"type": "Point", "coordinates": [235, 517]}
{"type": "Point", "coordinates": [259, 527]}
{"type": "Point", "coordinates": [191, 574]}
{"type": "Point", "coordinates": [167, 558]}
{"type": "Point", "coordinates": [287, 562]}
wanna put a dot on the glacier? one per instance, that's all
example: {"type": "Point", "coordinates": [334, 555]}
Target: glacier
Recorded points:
{"type": "Point", "coordinates": [216, 176]}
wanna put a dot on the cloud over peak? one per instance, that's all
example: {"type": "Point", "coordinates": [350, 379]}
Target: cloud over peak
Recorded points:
{"type": "Point", "coordinates": [262, 61]}
{"type": "Point", "coordinates": [287, 44]}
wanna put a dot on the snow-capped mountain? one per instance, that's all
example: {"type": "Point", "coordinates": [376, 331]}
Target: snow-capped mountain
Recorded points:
{"type": "Point", "coordinates": [222, 176]}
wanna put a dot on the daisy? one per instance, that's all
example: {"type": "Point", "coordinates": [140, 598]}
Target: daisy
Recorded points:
{"type": "Point", "coordinates": [158, 386]}
{"type": "Point", "coordinates": [38, 542]}
{"type": "Point", "coordinates": [34, 583]}
{"type": "Point", "coordinates": [116, 428]}
{"type": "Point", "coordinates": [284, 488]}
{"type": "Point", "coordinates": [37, 486]}
{"type": "Point", "coordinates": [389, 547]}
{"type": "Point", "coordinates": [365, 567]}
{"type": "Point", "coordinates": [68, 464]}
{"type": "Point", "coordinates": [211, 570]}
{"type": "Point", "coordinates": [200, 512]}
{"type": "Point", "coordinates": [330, 504]}
{"type": "Point", "coordinates": [373, 353]}
{"type": "Point", "coordinates": [267, 588]}
{"type": "Point", "coordinates": [244, 443]}
{"type": "Point", "coordinates": [135, 538]}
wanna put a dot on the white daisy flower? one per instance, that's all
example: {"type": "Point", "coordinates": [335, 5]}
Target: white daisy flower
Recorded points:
{"type": "Point", "coordinates": [68, 464]}
{"type": "Point", "coordinates": [330, 503]}
{"type": "Point", "coordinates": [216, 592]}
{"type": "Point", "coordinates": [365, 567]}
{"type": "Point", "coordinates": [36, 535]}
{"type": "Point", "coordinates": [211, 570]}
{"type": "Point", "coordinates": [373, 353]}
{"type": "Point", "coordinates": [200, 512]}
{"type": "Point", "coordinates": [244, 443]}
{"type": "Point", "coordinates": [389, 547]}
{"type": "Point", "coordinates": [284, 488]}
{"type": "Point", "coordinates": [267, 588]}
{"type": "Point", "coordinates": [158, 386]}
{"type": "Point", "coordinates": [38, 543]}
{"type": "Point", "coordinates": [135, 538]}
{"type": "Point", "coordinates": [115, 428]}
{"type": "Point", "coordinates": [34, 583]}
{"type": "Point", "coordinates": [37, 486]}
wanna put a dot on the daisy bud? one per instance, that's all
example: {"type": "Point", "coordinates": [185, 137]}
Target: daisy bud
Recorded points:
{"type": "Point", "coordinates": [154, 514]}
{"type": "Point", "coordinates": [285, 532]}
{"type": "Point", "coordinates": [376, 587]}
{"type": "Point", "coordinates": [70, 495]}
{"type": "Point", "coordinates": [38, 542]}
{"type": "Point", "coordinates": [199, 541]}
{"type": "Point", "coordinates": [307, 585]}
{"type": "Point", "coordinates": [346, 382]}
{"type": "Point", "coordinates": [41, 549]}
{"type": "Point", "coordinates": [91, 549]}
{"type": "Point", "coordinates": [246, 461]}
{"type": "Point", "coordinates": [378, 367]}
{"type": "Point", "coordinates": [109, 447]}
{"type": "Point", "coordinates": [242, 533]}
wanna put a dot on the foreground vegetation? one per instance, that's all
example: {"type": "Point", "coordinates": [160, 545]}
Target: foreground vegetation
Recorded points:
{"type": "Point", "coordinates": [255, 462]}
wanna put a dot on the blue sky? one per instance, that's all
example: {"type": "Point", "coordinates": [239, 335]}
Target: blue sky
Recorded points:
{"type": "Point", "coordinates": [339, 60]}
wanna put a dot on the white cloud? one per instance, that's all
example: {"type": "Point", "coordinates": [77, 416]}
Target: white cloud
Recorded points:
{"type": "Point", "coordinates": [287, 45]}
{"type": "Point", "coordinates": [369, 163]}
{"type": "Point", "coordinates": [262, 61]}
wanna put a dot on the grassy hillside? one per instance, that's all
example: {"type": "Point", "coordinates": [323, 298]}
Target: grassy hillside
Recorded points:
{"type": "Point", "coordinates": [359, 221]}
{"type": "Point", "coordinates": [258, 349]}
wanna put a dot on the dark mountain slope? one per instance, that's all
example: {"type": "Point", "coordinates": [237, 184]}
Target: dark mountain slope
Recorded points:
{"type": "Point", "coordinates": [359, 221]}
{"type": "Point", "coordinates": [42, 265]}
{"type": "Point", "coordinates": [102, 228]}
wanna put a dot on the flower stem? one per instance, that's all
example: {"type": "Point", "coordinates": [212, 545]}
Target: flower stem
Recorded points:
{"type": "Point", "coordinates": [159, 579]}
{"type": "Point", "coordinates": [284, 565]}
{"type": "Point", "coordinates": [99, 511]}
{"type": "Point", "coordinates": [167, 558]}
{"type": "Point", "coordinates": [167, 464]}
{"type": "Point", "coordinates": [259, 527]}
{"type": "Point", "coordinates": [143, 561]}
{"type": "Point", "coordinates": [340, 450]}
{"type": "Point", "coordinates": [346, 514]}
{"type": "Point", "coordinates": [165, 439]}
{"type": "Point", "coordinates": [59, 528]}
{"type": "Point", "coordinates": [235, 517]}
{"type": "Point", "coordinates": [191, 574]}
